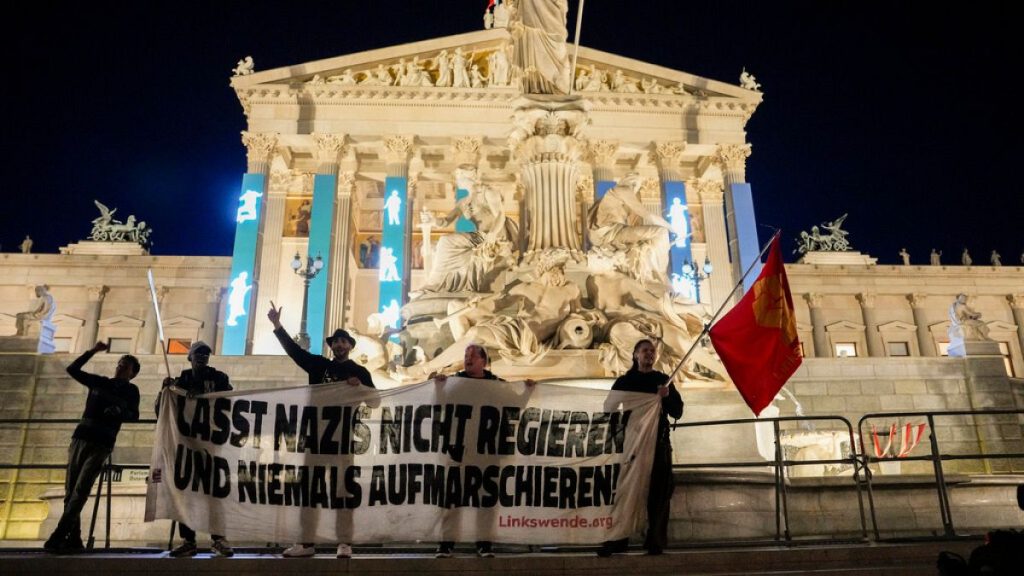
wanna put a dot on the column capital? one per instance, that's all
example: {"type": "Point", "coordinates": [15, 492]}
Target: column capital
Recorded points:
{"type": "Point", "coordinates": [467, 149]}
{"type": "Point", "coordinates": [601, 153]}
{"type": "Point", "coordinates": [397, 149]}
{"type": "Point", "coordinates": [668, 156]}
{"type": "Point", "coordinates": [1016, 300]}
{"type": "Point", "coordinates": [346, 183]}
{"type": "Point", "coordinates": [329, 149]}
{"type": "Point", "coordinates": [917, 299]}
{"type": "Point", "coordinates": [732, 156]}
{"type": "Point", "coordinates": [866, 299]}
{"type": "Point", "coordinates": [97, 292]}
{"type": "Point", "coordinates": [213, 294]}
{"type": "Point", "coordinates": [710, 191]}
{"type": "Point", "coordinates": [813, 299]}
{"type": "Point", "coordinates": [259, 148]}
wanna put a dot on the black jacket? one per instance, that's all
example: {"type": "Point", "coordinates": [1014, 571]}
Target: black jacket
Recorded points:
{"type": "Point", "coordinates": [322, 370]}
{"type": "Point", "coordinates": [111, 401]}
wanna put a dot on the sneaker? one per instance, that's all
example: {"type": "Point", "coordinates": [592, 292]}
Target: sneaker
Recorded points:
{"type": "Point", "coordinates": [484, 552]}
{"type": "Point", "coordinates": [222, 548]}
{"type": "Point", "coordinates": [186, 550]}
{"type": "Point", "coordinates": [344, 551]}
{"type": "Point", "coordinates": [299, 551]}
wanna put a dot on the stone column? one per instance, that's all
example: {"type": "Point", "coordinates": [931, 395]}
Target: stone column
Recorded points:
{"type": "Point", "coordinates": [269, 255]}
{"type": "Point", "coordinates": [924, 337]}
{"type": "Point", "coordinates": [397, 150]}
{"type": "Point", "coordinates": [148, 339]}
{"type": "Point", "coordinates": [722, 280]}
{"type": "Point", "coordinates": [867, 310]}
{"type": "Point", "coordinates": [341, 254]}
{"type": "Point", "coordinates": [211, 311]}
{"type": "Point", "coordinates": [669, 155]}
{"type": "Point", "coordinates": [821, 348]}
{"type": "Point", "coordinates": [744, 245]}
{"type": "Point", "coordinates": [602, 155]}
{"type": "Point", "coordinates": [1017, 306]}
{"type": "Point", "coordinates": [323, 230]}
{"type": "Point", "coordinates": [96, 294]}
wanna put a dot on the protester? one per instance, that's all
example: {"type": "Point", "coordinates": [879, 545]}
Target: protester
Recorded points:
{"type": "Point", "coordinates": [474, 366]}
{"type": "Point", "coordinates": [110, 402]}
{"type": "Point", "coordinates": [642, 377]}
{"type": "Point", "coordinates": [200, 379]}
{"type": "Point", "coordinates": [321, 371]}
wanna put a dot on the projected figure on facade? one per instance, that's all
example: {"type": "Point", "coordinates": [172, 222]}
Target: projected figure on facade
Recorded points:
{"type": "Point", "coordinates": [247, 211]}
{"type": "Point", "coordinates": [236, 298]}
{"type": "Point", "coordinates": [391, 314]}
{"type": "Point", "coordinates": [678, 220]}
{"type": "Point", "coordinates": [394, 207]}
{"type": "Point", "coordinates": [388, 265]}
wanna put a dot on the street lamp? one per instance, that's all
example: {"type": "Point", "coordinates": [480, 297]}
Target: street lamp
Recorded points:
{"type": "Point", "coordinates": [312, 268]}
{"type": "Point", "coordinates": [696, 276]}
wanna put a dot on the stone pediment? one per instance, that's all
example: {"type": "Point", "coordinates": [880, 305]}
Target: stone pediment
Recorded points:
{"type": "Point", "coordinates": [121, 320]}
{"type": "Point", "coordinates": [1001, 326]}
{"type": "Point", "coordinates": [183, 322]}
{"type": "Point", "coordinates": [416, 67]}
{"type": "Point", "coordinates": [66, 320]}
{"type": "Point", "coordinates": [844, 325]}
{"type": "Point", "coordinates": [897, 326]}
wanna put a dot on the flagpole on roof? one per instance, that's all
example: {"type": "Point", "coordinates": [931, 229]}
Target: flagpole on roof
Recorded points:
{"type": "Point", "coordinates": [707, 325]}
{"type": "Point", "coordinates": [576, 53]}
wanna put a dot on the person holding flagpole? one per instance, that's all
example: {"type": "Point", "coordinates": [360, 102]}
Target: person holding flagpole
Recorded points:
{"type": "Point", "coordinates": [642, 377]}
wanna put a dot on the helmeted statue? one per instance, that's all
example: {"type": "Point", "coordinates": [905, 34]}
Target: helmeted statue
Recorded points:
{"type": "Point", "coordinates": [539, 52]}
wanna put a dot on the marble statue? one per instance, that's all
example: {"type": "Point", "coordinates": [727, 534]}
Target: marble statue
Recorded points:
{"type": "Point", "coordinates": [42, 310]}
{"type": "Point", "coordinates": [476, 78]}
{"type": "Point", "coordinates": [614, 226]}
{"type": "Point", "coordinates": [379, 77]}
{"type": "Point", "coordinates": [488, 20]}
{"type": "Point", "coordinates": [244, 67]}
{"type": "Point", "coordinates": [965, 258]}
{"type": "Point", "coordinates": [905, 256]}
{"type": "Point", "coordinates": [748, 81]}
{"type": "Point", "coordinates": [347, 78]}
{"type": "Point", "coordinates": [995, 259]}
{"type": "Point", "coordinates": [540, 54]}
{"type": "Point", "coordinates": [501, 15]}
{"type": "Point", "coordinates": [460, 69]}
{"type": "Point", "coordinates": [519, 322]}
{"type": "Point", "coordinates": [622, 83]}
{"type": "Point", "coordinates": [26, 245]}
{"type": "Point", "coordinates": [468, 260]}
{"type": "Point", "coordinates": [500, 69]}
{"type": "Point", "coordinates": [934, 258]}
{"type": "Point", "coordinates": [965, 322]}
{"type": "Point", "coordinates": [444, 69]}
{"type": "Point", "coordinates": [651, 86]}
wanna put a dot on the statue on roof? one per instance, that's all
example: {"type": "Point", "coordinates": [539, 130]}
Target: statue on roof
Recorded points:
{"type": "Point", "coordinates": [539, 32]}
{"type": "Point", "coordinates": [748, 81]}
{"type": "Point", "coordinates": [832, 241]}
{"type": "Point", "coordinates": [106, 229]}
{"type": "Point", "coordinates": [244, 67]}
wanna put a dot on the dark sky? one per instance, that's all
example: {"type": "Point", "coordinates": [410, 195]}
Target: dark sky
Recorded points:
{"type": "Point", "coordinates": [905, 115]}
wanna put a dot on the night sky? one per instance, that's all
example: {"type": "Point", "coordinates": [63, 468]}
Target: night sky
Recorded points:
{"type": "Point", "coordinates": [905, 115]}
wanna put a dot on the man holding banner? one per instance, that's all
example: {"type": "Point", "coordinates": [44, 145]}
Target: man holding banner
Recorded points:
{"type": "Point", "coordinates": [643, 378]}
{"type": "Point", "coordinates": [321, 371]}
{"type": "Point", "coordinates": [200, 379]}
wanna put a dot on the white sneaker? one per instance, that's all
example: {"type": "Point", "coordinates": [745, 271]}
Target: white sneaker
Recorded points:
{"type": "Point", "coordinates": [344, 551]}
{"type": "Point", "coordinates": [299, 551]}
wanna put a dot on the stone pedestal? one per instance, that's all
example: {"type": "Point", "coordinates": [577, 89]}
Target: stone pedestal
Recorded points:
{"type": "Point", "coordinates": [961, 348]}
{"type": "Point", "coordinates": [838, 259]}
{"type": "Point", "coordinates": [18, 344]}
{"type": "Point", "coordinates": [104, 248]}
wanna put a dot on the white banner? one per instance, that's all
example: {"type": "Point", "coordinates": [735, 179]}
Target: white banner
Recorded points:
{"type": "Point", "coordinates": [464, 461]}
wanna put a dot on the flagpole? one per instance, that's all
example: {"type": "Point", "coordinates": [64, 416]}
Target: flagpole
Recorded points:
{"type": "Point", "coordinates": [159, 323]}
{"type": "Point", "coordinates": [576, 54]}
{"type": "Point", "coordinates": [707, 325]}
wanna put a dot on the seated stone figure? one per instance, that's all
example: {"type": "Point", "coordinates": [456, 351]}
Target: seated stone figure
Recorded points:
{"type": "Point", "coordinates": [620, 223]}
{"type": "Point", "coordinates": [42, 310]}
{"type": "Point", "coordinates": [519, 322]}
{"type": "Point", "coordinates": [965, 322]}
{"type": "Point", "coordinates": [468, 261]}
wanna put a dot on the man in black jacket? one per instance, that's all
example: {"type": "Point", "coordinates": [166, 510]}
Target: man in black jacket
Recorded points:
{"type": "Point", "coordinates": [200, 379]}
{"type": "Point", "coordinates": [321, 371]}
{"type": "Point", "coordinates": [111, 401]}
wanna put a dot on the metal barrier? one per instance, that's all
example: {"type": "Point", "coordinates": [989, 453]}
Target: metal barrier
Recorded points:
{"type": "Point", "coordinates": [780, 465]}
{"type": "Point", "coordinates": [936, 457]}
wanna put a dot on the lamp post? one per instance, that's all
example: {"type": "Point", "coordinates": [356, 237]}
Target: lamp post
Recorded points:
{"type": "Point", "coordinates": [312, 268]}
{"type": "Point", "coordinates": [696, 276]}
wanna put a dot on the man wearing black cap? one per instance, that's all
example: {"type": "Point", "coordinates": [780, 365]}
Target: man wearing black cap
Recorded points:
{"type": "Point", "coordinates": [321, 371]}
{"type": "Point", "coordinates": [200, 379]}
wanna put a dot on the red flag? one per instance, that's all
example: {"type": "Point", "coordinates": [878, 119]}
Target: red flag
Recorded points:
{"type": "Point", "coordinates": [757, 339]}
{"type": "Point", "coordinates": [489, 4]}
